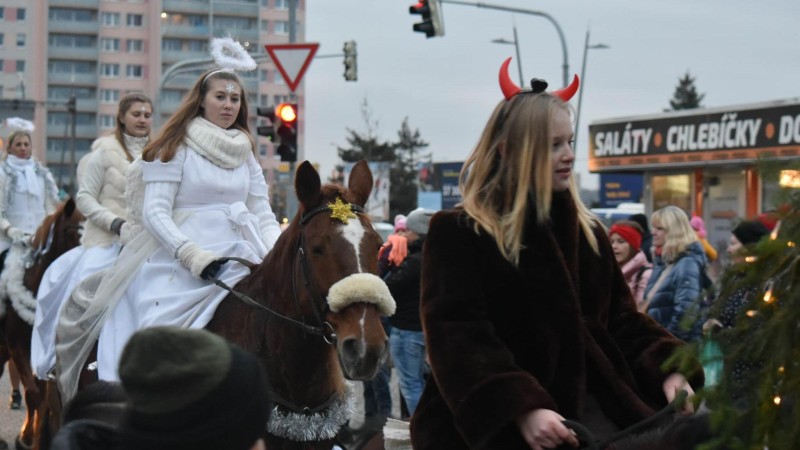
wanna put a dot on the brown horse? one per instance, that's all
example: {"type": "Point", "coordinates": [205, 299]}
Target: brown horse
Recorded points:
{"type": "Point", "coordinates": [325, 305]}
{"type": "Point", "coordinates": [58, 233]}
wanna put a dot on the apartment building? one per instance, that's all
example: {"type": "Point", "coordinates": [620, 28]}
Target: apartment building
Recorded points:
{"type": "Point", "coordinates": [99, 50]}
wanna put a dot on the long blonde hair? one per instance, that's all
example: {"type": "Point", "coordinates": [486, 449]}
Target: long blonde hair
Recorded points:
{"type": "Point", "coordinates": [511, 160]}
{"type": "Point", "coordinates": [679, 232]}
{"type": "Point", "coordinates": [172, 134]}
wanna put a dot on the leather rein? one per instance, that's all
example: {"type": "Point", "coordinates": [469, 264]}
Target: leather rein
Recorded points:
{"type": "Point", "coordinates": [324, 329]}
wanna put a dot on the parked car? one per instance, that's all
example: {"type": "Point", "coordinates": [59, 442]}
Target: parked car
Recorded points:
{"type": "Point", "coordinates": [384, 229]}
{"type": "Point", "coordinates": [624, 210]}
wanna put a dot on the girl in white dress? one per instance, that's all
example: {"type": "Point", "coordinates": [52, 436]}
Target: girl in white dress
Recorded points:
{"type": "Point", "coordinates": [205, 198]}
{"type": "Point", "coordinates": [101, 198]}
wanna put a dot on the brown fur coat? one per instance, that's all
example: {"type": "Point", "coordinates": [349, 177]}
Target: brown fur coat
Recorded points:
{"type": "Point", "coordinates": [505, 340]}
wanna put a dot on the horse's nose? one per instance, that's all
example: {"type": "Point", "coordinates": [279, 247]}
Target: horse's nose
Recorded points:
{"type": "Point", "coordinates": [353, 349]}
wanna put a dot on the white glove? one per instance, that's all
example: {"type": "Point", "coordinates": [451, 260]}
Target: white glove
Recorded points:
{"type": "Point", "coordinates": [195, 258]}
{"type": "Point", "coordinates": [18, 236]}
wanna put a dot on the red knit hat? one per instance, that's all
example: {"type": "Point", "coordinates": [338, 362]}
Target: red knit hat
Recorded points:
{"type": "Point", "coordinates": [631, 235]}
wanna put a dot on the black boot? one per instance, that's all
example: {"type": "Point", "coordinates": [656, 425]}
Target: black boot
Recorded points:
{"type": "Point", "coordinates": [16, 400]}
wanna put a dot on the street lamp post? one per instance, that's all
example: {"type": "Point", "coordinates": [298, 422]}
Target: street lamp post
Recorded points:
{"type": "Point", "coordinates": [516, 45]}
{"type": "Point", "coordinates": [586, 48]}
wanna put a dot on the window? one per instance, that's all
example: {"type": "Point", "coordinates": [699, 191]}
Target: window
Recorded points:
{"type": "Point", "coordinates": [262, 150]}
{"type": "Point", "coordinates": [2, 13]}
{"type": "Point", "coordinates": [20, 65]}
{"type": "Point", "coordinates": [109, 44]}
{"type": "Point", "coordinates": [134, 71]}
{"type": "Point", "coordinates": [171, 96]}
{"type": "Point", "coordinates": [197, 46]}
{"type": "Point", "coordinates": [278, 99]}
{"type": "Point", "coordinates": [174, 45]}
{"type": "Point", "coordinates": [109, 96]}
{"type": "Point", "coordinates": [277, 78]}
{"type": "Point", "coordinates": [110, 19]}
{"type": "Point", "coordinates": [107, 121]}
{"type": "Point", "coordinates": [20, 14]}
{"type": "Point", "coordinates": [234, 23]}
{"type": "Point", "coordinates": [21, 40]}
{"type": "Point", "coordinates": [135, 20]}
{"type": "Point", "coordinates": [72, 15]}
{"type": "Point", "coordinates": [281, 4]}
{"type": "Point", "coordinates": [62, 67]}
{"type": "Point", "coordinates": [72, 40]}
{"type": "Point", "coordinates": [109, 70]}
{"type": "Point", "coordinates": [135, 46]}
{"type": "Point", "coordinates": [264, 75]}
{"type": "Point", "coordinates": [2, 38]}
{"type": "Point", "coordinates": [263, 100]}
{"type": "Point", "coordinates": [281, 27]}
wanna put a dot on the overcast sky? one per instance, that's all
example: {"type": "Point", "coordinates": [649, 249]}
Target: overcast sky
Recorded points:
{"type": "Point", "coordinates": [739, 51]}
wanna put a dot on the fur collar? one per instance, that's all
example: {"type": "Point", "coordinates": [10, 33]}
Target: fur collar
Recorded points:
{"type": "Point", "coordinates": [228, 149]}
{"type": "Point", "coordinates": [12, 284]}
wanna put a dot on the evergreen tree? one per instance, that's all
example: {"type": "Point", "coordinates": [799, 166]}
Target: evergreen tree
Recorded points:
{"type": "Point", "coordinates": [403, 156]}
{"type": "Point", "coordinates": [405, 169]}
{"type": "Point", "coordinates": [756, 403]}
{"type": "Point", "coordinates": [686, 96]}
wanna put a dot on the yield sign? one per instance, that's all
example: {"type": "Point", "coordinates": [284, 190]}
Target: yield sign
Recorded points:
{"type": "Point", "coordinates": [292, 60]}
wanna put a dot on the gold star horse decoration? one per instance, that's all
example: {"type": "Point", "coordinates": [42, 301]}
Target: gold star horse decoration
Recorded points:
{"type": "Point", "coordinates": [341, 210]}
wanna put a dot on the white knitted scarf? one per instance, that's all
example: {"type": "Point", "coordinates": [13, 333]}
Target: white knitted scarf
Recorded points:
{"type": "Point", "coordinates": [27, 181]}
{"type": "Point", "coordinates": [135, 144]}
{"type": "Point", "coordinates": [228, 149]}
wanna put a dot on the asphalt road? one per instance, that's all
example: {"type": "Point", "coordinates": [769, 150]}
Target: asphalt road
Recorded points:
{"type": "Point", "coordinates": [10, 421]}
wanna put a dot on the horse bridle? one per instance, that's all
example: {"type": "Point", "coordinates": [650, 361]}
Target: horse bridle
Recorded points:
{"type": "Point", "coordinates": [324, 329]}
{"type": "Point", "coordinates": [44, 248]}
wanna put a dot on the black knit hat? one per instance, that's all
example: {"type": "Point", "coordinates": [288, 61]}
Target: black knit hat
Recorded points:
{"type": "Point", "coordinates": [191, 389]}
{"type": "Point", "coordinates": [750, 231]}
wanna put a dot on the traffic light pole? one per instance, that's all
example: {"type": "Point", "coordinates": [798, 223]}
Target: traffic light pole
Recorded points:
{"type": "Point", "coordinates": [291, 195]}
{"type": "Point", "coordinates": [524, 11]}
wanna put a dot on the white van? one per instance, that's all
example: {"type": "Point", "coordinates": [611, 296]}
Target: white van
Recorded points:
{"type": "Point", "coordinates": [624, 210]}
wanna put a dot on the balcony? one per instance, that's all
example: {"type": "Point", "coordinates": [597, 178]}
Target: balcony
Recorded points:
{"type": "Point", "coordinates": [87, 4]}
{"type": "Point", "coordinates": [238, 34]}
{"type": "Point", "coordinates": [172, 56]}
{"type": "Point", "coordinates": [72, 78]}
{"type": "Point", "coordinates": [83, 53]}
{"type": "Point", "coordinates": [81, 131]}
{"type": "Point", "coordinates": [63, 26]}
{"type": "Point", "coordinates": [234, 8]}
{"type": "Point", "coordinates": [185, 31]}
{"type": "Point", "coordinates": [183, 6]}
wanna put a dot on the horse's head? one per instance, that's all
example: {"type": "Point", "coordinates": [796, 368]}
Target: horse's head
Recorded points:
{"type": "Point", "coordinates": [339, 262]}
{"type": "Point", "coordinates": [60, 231]}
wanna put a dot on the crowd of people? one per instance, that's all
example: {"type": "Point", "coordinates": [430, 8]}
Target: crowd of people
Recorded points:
{"type": "Point", "coordinates": [515, 311]}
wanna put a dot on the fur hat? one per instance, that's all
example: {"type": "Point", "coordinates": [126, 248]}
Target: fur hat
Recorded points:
{"type": "Point", "coordinates": [191, 389]}
{"type": "Point", "coordinates": [418, 220]}
{"type": "Point", "coordinates": [750, 231]}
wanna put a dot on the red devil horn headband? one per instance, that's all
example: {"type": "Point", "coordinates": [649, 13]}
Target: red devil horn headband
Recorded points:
{"type": "Point", "coordinates": [510, 89]}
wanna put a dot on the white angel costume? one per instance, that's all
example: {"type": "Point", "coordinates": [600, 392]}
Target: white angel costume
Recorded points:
{"type": "Point", "coordinates": [28, 194]}
{"type": "Point", "coordinates": [101, 198]}
{"type": "Point", "coordinates": [208, 202]}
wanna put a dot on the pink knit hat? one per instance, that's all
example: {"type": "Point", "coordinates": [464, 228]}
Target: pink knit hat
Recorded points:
{"type": "Point", "coordinates": [698, 226]}
{"type": "Point", "coordinates": [399, 222]}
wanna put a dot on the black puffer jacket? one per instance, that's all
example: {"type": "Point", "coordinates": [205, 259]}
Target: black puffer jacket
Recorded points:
{"type": "Point", "coordinates": [403, 283]}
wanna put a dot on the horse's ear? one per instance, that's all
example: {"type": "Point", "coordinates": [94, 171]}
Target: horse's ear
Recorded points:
{"type": "Point", "coordinates": [307, 185]}
{"type": "Point", "coordinates": [360, 182]}
{"type": "Point", "coordinates": [69, 207]}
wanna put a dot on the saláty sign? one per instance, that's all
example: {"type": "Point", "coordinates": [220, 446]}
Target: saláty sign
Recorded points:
{"type": "Point", "coordinates": [696, 137]}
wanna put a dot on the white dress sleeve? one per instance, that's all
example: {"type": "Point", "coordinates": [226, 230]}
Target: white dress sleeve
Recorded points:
{"type": "Point", "coordinates": [4, 223]}
{"type": "Point", "coordinates": [91, 177]}
{"type": "Point", "coordinates": [161, 183]}
{"type": "Point", "coordinates": [258, 204]}
{"type": "Point", "coordinates": [51, 200]}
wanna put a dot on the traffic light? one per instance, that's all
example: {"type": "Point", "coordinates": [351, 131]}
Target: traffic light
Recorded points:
{"type": "Point", "coordinates": [267, 131]}
{"type": "Point", "coordinates": [350, 67]}
{"type": "Point", "coordinates": [287, 113]}
{"type": "Point", "coordinates": [432, 23]}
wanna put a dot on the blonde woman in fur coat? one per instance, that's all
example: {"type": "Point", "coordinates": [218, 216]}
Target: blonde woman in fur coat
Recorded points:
{"type": "Point", "coordinates": [101, 198]}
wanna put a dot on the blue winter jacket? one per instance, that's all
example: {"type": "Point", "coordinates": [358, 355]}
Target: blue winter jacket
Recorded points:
{"type": "Point", "coordinates": [680, 292]}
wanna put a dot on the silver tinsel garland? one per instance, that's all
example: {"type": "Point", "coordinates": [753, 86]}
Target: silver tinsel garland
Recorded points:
{"type": "Point", "coordinates": [313, 427]}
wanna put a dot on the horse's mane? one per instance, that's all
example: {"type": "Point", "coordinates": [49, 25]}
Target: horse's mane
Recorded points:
{"type": "Point", "coordinates": [41, 233]}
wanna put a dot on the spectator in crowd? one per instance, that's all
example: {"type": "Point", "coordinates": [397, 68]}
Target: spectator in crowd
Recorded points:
{"type": "Point", "coordinates": [679, 274]}
{"type": "Point", "coordinates": [626, 242]}
{"type": "Point", "coordinates": [407, 343]}
{"type": "Point", "coordinates": [192, 390]}
{"type": "Point", "coordinates": [647, 237]}
{"type": "Point", "coordinates": [700, 228]}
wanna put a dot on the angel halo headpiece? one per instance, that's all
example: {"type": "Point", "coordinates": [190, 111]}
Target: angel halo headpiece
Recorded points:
{"type": "Point", "coordinates": [19, 124]}
{"type": "Point", "coordinates": [230, 56]}
{"type": "Point", "coordinates": [537, 85]}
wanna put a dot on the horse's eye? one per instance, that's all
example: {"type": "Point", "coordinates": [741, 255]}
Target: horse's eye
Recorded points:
{"type": "Point", "coordinates": [317, 250]}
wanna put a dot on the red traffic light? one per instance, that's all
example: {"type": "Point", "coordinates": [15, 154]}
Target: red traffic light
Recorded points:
{"type": "Point", "coordinates": [286, 112]}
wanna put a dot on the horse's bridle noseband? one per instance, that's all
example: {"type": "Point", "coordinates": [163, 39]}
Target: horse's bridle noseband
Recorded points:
{"type": "Point", "coordinates": [324, 329]}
